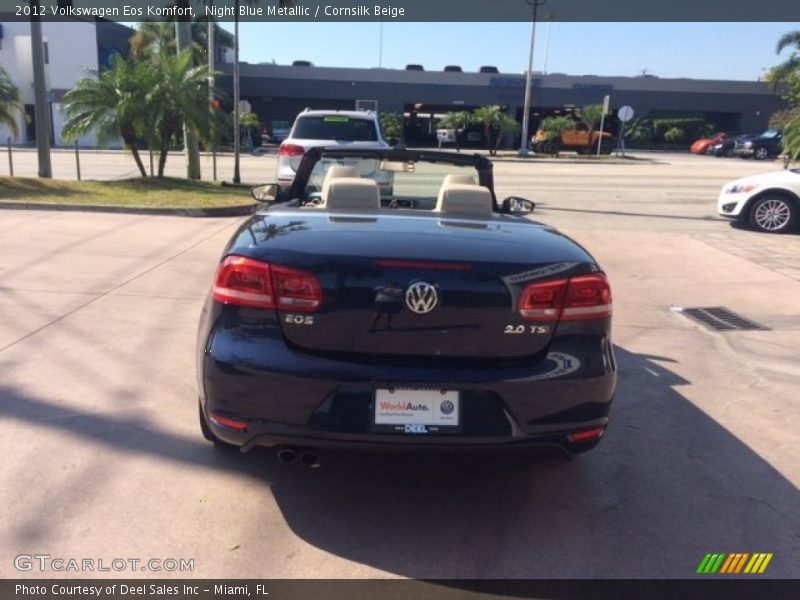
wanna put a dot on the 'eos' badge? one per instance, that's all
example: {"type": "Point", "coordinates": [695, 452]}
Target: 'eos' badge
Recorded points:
{"type": "Point", "coordinates": [421, 297]}
{"type": "Point", "coordinates": [299, 319]}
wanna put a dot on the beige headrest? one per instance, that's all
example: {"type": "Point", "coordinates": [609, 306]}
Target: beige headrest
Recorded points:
{"type": "Point", "coordinates": [461, 200]}
{"type": "Point", "coordinates": [352, 193]}
{"type": "Point", "coordinates": [458, 178]}
{"type": "Point", "coordinates": [336, 172]}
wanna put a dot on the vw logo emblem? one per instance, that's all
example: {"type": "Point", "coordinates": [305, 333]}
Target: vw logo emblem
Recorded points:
{"type": "Point", "coordinates": [447, 407]}
{"type": "Point", "coordinates": [421, 297]}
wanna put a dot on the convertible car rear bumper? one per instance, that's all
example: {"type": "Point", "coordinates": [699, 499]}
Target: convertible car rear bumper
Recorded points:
{"type": "Point", "coordinates": [274, 394]}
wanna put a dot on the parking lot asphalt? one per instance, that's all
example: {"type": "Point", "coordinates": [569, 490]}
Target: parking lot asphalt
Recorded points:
{"type": "Point", "coordinates": [103, 458]}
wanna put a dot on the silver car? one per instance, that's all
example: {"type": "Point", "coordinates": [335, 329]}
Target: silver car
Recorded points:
{"type": "Point", "coordinates": [346, 129]}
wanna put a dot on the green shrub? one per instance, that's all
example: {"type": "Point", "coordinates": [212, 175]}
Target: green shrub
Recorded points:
{"type": "Point", "coordinates": [693, 128]}
{"type": "Point", "coordinates": [675, 134]}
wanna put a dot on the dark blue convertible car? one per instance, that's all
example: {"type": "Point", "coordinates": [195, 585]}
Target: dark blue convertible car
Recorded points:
{"type": "Point", "coordinates": [422, 313]}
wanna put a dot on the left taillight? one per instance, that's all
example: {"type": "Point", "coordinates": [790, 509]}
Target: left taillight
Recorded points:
{"type": "Point", "coordinates": [246, 282]}
{"type": "Point", "coordinates": [543, 301]}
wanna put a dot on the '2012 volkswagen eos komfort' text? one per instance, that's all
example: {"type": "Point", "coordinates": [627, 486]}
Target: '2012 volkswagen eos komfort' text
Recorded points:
{"type": "Point", "coordinates": [435, 317]}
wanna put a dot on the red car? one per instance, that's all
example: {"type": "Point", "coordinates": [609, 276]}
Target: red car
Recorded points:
{"type": "Point", "coordinates": [702, 146]}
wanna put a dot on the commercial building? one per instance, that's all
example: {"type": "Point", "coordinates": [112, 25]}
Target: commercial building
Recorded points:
{"type": "Point", "coordinates": [278, 92]}
{"type": "Point", "coordinates": [72, 50]}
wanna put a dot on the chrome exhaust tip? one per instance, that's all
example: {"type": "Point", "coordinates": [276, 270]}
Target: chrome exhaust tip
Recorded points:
{"type": "Point", "coordinates": [309, 458]}
{"type": "Point", "coordinates": [287, 455]}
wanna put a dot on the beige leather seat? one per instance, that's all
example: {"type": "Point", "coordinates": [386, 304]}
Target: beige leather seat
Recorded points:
{"type": "Point", "coordinates": [465, 201]}
{"type": "Point", "coordinates": [458, 178]}
{"type": "Point", "coordinates": [336, 172]}
{"type": "Point", "coordinates": [351, 193]}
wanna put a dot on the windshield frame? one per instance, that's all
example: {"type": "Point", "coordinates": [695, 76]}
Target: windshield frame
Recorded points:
{"type": "Point", "coordinates": [481, 164]}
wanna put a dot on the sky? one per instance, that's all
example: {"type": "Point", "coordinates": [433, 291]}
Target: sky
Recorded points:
{"type": "Point", "coordinates": [740, 51]}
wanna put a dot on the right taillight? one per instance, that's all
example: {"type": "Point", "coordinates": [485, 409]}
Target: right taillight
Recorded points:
{"type": "Point", "coordinates": [575, 299]}
{"type": "Point", "coordinates": [290, 150]}
{"type": "Point", "coordinates": [588, 297]}
{"type": "Point", "coordinates": [246, 282]}
{"type": "Point", "coordinates": [296, 290]}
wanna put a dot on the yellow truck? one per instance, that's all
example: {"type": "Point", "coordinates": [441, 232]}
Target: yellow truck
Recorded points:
{"type": "Point", "coordinates": [572, 140]}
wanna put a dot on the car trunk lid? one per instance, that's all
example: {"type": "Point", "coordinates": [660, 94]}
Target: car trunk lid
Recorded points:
{"type": "Point", "coordinates": [449, 291]}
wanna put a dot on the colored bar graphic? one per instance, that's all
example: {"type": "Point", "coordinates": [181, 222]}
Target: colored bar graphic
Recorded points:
{"type": "Point", "coordinates": [741, 562]}
{"type": "Point", "coordinates": [703, 563]}
{"type": "Point", "coordinates": [730, 564]}
{"type": "Point", "coordinates": [765, 563]}
{"type": "Point", "coordinates": [717, 563]}
{"type": "Point", "coordinates": [751, 564]}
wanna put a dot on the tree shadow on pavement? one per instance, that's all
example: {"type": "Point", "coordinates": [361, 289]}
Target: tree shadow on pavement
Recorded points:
{"type": "Point", "coordinates": [665, 486]}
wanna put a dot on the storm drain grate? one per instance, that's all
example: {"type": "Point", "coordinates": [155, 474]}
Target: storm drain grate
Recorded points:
{"type": "Point", "coordinates": [719, 318]}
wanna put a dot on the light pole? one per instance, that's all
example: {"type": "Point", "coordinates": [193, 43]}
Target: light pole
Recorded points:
{"type": "Point", "coordinates": [212, 116]}
{"type": "Point", "coordinates": [523, 145]}
{"type": "Point", "coordinates": [41, 114]}
{"type": "Point", "coordinates": [237, 178]}
{"type": "Point", "coordinates": [547, 44]}
{"type": "Point", "coordinates": [380, 46]}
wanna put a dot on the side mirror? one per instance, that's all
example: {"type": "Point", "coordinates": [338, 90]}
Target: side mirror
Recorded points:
{"type": "Point", "coordinates": [267, 193]}
{"type": "Point", "coordinates": [393, 142]}
{"type": "Point", "coordinates": [514, 205]}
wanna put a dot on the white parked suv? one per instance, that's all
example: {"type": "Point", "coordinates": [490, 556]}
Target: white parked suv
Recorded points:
{"type": "Point", "coordinates": [331, 129]}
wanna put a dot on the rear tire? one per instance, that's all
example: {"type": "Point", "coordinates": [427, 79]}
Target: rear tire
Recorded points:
{"type": "Point", "coordinates": [773, 214]}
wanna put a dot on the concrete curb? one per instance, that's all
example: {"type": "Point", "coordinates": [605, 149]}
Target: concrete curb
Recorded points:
{"type": "Point", "coordinates": [219, 211]}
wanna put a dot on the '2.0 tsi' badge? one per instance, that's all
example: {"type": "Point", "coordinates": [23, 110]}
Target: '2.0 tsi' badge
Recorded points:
{"type": "Point", "coordinates": [421, 297]}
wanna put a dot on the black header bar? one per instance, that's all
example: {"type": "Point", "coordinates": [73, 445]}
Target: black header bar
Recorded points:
{"type": "Point", "coordinates": [407, 10]}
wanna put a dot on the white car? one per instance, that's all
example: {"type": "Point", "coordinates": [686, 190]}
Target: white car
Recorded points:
{"type": "Point", "coordinates": [768, 202]}
{"type": "Point", "coordinates": [343, 129]}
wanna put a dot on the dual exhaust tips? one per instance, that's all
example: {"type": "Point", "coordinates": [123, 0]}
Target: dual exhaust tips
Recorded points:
{"type": "Point", "coordinates": [291, 454]}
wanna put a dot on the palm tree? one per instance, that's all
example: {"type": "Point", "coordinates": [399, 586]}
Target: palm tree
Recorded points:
{"type": "Point", "coordinates": [506, 124]}
{"type": "Point", "coordinates": [9, 103]}
{"type": "Point", "coordinates": [112, 104]}
{"type": "Point", "coordinates": [788, 40]}
{"type": "Point", "coordinates": [791, 138]}
{"type": "Point", "coordinates": [591, 116]}
{"type": "Point", "coordinates": [178, 95]}
{"type": "Point", "coordinates": [457, 121]}
{"type": "Point", "coordinates": [154, 36]}
{"type": "Point", "coordinates": [785, 77]}
{"type": "Point", "coordinates": [489, 116]}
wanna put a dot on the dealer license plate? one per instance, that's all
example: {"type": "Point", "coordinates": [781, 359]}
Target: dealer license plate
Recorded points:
{"type": "Point", "coordinates": [417, 410]}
